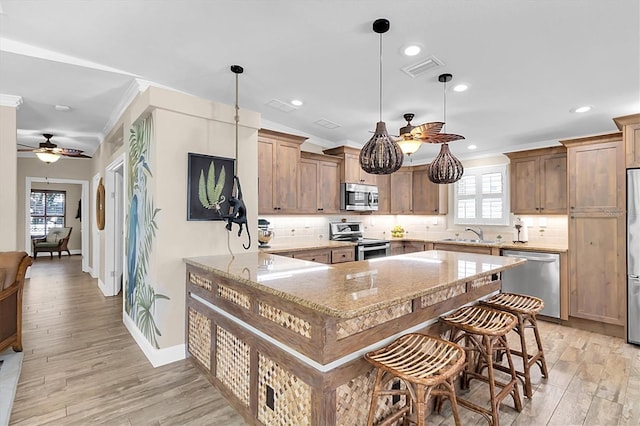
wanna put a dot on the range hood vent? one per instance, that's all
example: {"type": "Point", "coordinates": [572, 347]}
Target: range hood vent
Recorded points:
{"type": "Point", "coordinates": [423, 67]}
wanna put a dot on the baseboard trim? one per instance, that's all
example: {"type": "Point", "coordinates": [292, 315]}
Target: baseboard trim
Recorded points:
{"type": "Point", "coordinates": [157, 357]}
{"type": "Point", "coordinates": [596, 327]}
{"type": "Point", "coordinates": [103, 288]}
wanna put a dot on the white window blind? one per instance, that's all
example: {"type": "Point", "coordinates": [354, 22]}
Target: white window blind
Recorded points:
{"type": "Point", "coordinates": [481, 196]}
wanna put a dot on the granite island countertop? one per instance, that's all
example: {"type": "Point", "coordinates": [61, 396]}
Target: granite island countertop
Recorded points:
{"type": "Point", "coordinates": [352, 289]}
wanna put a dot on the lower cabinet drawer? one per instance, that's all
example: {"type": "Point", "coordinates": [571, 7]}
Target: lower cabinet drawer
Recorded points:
{"type": "Point", "coordinates": [343, 255]}
{"type": "Point", "coordinates": [320, 256]}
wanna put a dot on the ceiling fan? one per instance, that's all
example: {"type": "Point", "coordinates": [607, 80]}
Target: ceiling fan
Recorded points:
{"type": "Point", "coordinates": [49, 152]}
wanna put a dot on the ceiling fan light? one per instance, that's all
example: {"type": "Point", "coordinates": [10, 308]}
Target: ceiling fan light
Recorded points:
{"type": "Point", "coordinates": [381, 155]}
{"type": "Point", "coordinates": [48, 157]}
{"type": "Point", "coordinates": [445, 168]}
{"type": "Point", "coordinates": [409, 146]}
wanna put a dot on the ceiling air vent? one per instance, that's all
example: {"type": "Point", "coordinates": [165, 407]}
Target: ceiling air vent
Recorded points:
{"type": "Point", "coordinates": [326, 124]}
{"type": "Point", "coordinates": [426, 65]}
{"type": "Point", "coordinates": [281, 106]}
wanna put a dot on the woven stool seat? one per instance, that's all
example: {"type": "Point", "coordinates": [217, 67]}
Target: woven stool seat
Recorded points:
{"type": "Point", "coordinates": [427, 365]}
{"type": "Point", "coordinates": [479, 320]}
{"type": "Point", "coordinates": [525, 309]}
{"type": "Point", "coordinates": [483, 331]}
{"type": "Point", "coordinates": [516, 303]}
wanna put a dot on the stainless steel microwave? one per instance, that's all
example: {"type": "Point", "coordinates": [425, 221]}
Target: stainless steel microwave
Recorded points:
{"type": "Point", "coordinates": [358, 197]}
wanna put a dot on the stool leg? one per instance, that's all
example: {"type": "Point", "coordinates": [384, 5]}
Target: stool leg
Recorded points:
{"type": "Point", "coordinates": [374, 397]}
{"type": "Point", "coordinates": [541, 361]}
{"type": "Point", "coordinates": [528, 392]}
{"type": "Point", "coordinates": [488, 356]}
{"type": "Point", "coordinates": [421, 405]}
{"type": "Point", "coordinates": [448, 384]}
{"type": "Point", "coordinates": [514, 378]}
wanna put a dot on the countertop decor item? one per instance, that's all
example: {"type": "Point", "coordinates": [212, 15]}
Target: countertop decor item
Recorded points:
{"type": "Point", "coordinates": [381, 155]}
{"type": "Point", "coordinates": [445, 168]}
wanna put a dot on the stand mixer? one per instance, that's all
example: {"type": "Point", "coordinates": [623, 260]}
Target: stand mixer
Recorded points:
{"type": "Point", "coordinates": [265, 233]}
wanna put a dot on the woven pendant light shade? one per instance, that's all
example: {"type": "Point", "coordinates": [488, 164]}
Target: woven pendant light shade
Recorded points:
{"type": "Point", "coordinates": [445, 168]}
{"type": "Point", "coordinates": [381, 155]}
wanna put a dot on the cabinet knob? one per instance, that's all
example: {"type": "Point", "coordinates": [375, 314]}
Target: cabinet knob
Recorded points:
{"type": "Point", "coordinates": [313, 260]}
{"type": "Point", "coordinates": [541, 208]}
{"type": "Point", "coordinates": [572, 207]}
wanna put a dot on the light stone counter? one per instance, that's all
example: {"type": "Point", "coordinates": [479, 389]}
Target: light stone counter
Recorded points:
{"type": "Point", "coordinates": [354, 289]}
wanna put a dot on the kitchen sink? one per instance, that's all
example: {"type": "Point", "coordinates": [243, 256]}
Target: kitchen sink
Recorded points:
{"type": "Point", "coordinates": [467, 240]}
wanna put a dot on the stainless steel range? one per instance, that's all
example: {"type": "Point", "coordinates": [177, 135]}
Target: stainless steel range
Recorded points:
{"type": "Point", "coordinates": [367, 248]}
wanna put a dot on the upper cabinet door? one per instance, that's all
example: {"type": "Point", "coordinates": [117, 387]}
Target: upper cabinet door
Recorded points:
{"type": "Point", "coordinates": [266, 165]}
{"type": "Point", "coordinates": [602, 160]}
{"type": "Point", "coordinates": [425, 194]}
{"type": "Point", "coordinates": [630, 126]}
{"type": "Point", "coordinates": [553, 184]}
{"type": "Point", "coordinates": [525, 186]}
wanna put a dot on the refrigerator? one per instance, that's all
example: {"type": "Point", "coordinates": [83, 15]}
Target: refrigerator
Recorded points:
{"type": "Point", "coordinates": [633, 256]}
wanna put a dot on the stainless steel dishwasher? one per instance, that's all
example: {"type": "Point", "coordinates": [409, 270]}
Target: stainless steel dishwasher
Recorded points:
{"type": "Point", "coordinates": [539, 277]}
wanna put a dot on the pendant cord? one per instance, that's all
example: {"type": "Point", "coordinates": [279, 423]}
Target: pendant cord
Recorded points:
{"type": "Point", "coordinates": [444, 113]}
{"type": "Point", "coordinates": [237, 119]}
{"type": "Point", "coordinates": [380, 77]}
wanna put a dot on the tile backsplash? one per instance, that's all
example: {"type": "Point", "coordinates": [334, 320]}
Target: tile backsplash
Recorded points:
{"type": "Point", "coordinates": [542, 229]}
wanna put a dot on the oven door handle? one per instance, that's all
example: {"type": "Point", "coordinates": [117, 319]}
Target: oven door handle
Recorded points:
{"type": "Point", "coordinates": [376, 247]}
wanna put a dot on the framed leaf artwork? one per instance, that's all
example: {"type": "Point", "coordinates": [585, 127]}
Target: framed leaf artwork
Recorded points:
{"type": "Point", "coordinates": [210, 185]}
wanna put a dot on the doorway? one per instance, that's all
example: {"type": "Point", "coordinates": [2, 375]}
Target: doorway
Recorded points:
{"type": "Point", "coordinates": [84, 215]}
{"type": "Point", "coordinates": [114, 227]}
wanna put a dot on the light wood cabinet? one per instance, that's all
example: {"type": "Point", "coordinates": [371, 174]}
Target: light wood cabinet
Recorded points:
{"type": "Point", "coordinates": [350, 170]}
{"type": "Point", "coordinates": [538, 181]}
{"type": "Point", "coordinates": [341, 255]}
{"type": "Point", "coordinates": [466, 248]}
{"type": "Point", "coordinates": [403, 247]}
{"type": "Point", "coordinates": [630, 126]}
{"type": "Point", "coordinates": [319, 183]}
{"type": "Point", "coordinates": [278, 172]}
{"type": "Point", "coordinates": [427, 197]}
{"type": "Point", "coordinates": [597, 243]}
{"type": "Point", "coordinates": [401, 192]}
{"type": "Point", "coordinates": [384, 194]}
{"type": "Point", "coordinates": [396, 247]}
{"type": "Point", "coordinates": [323, 255]}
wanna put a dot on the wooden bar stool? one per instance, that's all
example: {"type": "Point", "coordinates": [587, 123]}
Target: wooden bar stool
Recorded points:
{"type": "Point", "coordinates": [525, 309]}
{"type": "Point", "coordinates": [484, 331]}
{"type": "Point", "coordinates": [427, 365]}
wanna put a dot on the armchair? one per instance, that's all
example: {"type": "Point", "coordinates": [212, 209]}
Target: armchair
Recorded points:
{"type": "Point", "coordinates": [13, 267]}
{"type": "Point", "coordinates": [56, 240]}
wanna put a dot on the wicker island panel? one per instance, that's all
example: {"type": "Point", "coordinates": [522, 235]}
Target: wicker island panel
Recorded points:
{"type": "Point", "coordinates": [200, 281]}
{"type": "Point", "coordinates": [199, 344]}
{"type": "Point", "coordinates": [442, 295]}
{"type": "Point", "coordinates": [352, 326]}
{"type": "Point", "coordinates": [232, 364]}
{"type": "Point", "coordinates": [481, 282]}
{"type": "Point", "coordinates": [285, 319]}
{"type": "Point", "coordinates": [233, 296]}
{"type": "Point", "coordinates": [354, 398]}
{"type": "Point", "coordinates": [291, 396]}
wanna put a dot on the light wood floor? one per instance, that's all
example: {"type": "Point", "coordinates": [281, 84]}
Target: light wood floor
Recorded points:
{"type": "Point", "coordinates": [82, 367]}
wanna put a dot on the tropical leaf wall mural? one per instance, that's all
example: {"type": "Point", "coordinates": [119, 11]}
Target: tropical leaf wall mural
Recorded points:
{"type": "Point", "coordinates": [141, 225]}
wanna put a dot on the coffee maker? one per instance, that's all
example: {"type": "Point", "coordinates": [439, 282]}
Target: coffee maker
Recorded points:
{"type": "Point", "coordinates": [265, 233]}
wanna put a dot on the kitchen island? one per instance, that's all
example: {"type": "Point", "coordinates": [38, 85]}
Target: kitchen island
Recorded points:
{"type": "Point", "coordinates": [283, 339]}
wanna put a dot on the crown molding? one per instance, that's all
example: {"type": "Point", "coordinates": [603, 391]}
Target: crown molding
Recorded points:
{"type": "Point", "coordinates": [10, 100]}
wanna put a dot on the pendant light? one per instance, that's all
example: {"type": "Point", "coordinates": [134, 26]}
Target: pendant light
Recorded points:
{"type": "Point", "coordinates": [445, 168]}
{"type": "Point", "coordinates": [381, 155]}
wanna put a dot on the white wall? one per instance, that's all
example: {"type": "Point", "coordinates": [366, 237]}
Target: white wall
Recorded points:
{"type": "Point", "coordinates": [8, 180]}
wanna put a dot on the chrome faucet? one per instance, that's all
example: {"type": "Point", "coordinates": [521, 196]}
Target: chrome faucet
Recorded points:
{"type": "Point", "coordinates": [477, 231]}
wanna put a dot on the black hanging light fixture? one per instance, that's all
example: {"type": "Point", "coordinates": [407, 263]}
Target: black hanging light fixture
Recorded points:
{"type": "Point", "coordinates": [381, 155]}
{"type": "Point", "coordinates": [445, 168]}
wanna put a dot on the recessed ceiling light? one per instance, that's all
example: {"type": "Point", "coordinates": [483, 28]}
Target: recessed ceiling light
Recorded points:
{"type": "Point", "coordinates": [460, 87]}
{"type": "Point", "coordinates": [582, 109]}
{"type": "Point", "coordinates": [471, 147]}
{"type": "Point", "coordinates": [412, 50]}
{"type": "Point", "coordinates": [62, 107]}
{"type": "Point", "coordinates": [296, 102]}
